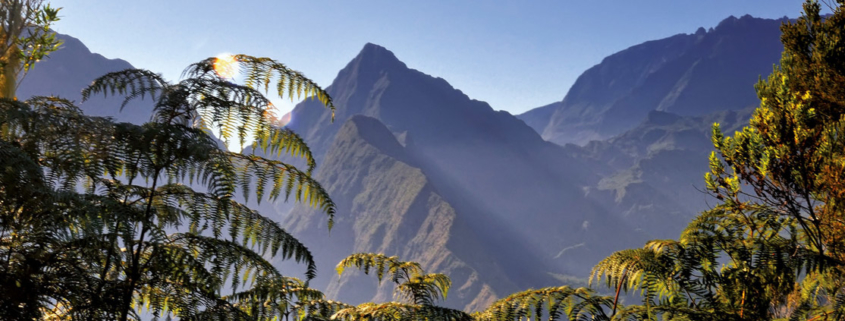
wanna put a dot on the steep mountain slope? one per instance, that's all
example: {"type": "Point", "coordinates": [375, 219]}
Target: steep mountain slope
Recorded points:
{"type": "Point", "coordinates": [475, 155]}
{"type": "Point", "coordinates": [387, 205]}
{"type": "Point", "coordinates": [69, 70]}
{"type": "Point", "coordinates": [686, 74]}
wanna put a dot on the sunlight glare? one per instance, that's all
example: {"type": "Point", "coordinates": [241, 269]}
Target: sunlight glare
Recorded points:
{"type": "Point", "coordinates": [225, 66]}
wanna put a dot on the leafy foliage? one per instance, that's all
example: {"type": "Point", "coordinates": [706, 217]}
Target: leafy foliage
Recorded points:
{"type": "Point", "coordinates": [157, 225]}
{"type": "Point", "coordinates": [25, 38]}
{"type": "Point", "coordinates": [399, 311]}
{"type": "Point", "coordinates": [398, 270]}
{"type": "Point", "coordinates": [791, 152]}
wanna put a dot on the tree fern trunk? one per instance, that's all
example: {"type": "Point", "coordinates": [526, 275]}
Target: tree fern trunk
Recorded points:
{"type": "Point", "coordinates": [8, 81]}
{"type": "Point", "coordinates": [618, 289]}
{"type": "Point", "coordinates": [10, 60]}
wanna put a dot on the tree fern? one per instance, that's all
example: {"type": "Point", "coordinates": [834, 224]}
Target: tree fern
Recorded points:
{"type": "Point", "coordinates": [418, 291]}
{"type": "Point", "coordinates": [157, 225]}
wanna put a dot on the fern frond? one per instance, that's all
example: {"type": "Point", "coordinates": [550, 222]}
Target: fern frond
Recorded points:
{"type": "Point", "coordinates": [399, 311]}
{"type": "Point", "coordinates": [424, 289]}
{"type": "Point", "coordinates": [131, 83]}
{"type": "Point", "coordinates": [244, 224]}
{"type": "Point", "coordinates": [279, 141]}
{"type": "Point", "coordinates": [560, 303]}
{"type": "Point", "coordinates": [390, 265]}
{"type": "Point", "coordinates": [227, 171]}
{"type": "Point", "coordinates": [261, 72]}
{"type": "Point", "coordinates": [136, 235]}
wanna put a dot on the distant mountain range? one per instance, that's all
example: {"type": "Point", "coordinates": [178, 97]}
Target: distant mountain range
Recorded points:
{"type": "Point", "coordinates": [499, 202]}
{"type": "Point", "coordinates": [686, 74]}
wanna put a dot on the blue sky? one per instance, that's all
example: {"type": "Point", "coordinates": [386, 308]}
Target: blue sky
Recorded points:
{"type": "Point", "coordinates": [515, 55]}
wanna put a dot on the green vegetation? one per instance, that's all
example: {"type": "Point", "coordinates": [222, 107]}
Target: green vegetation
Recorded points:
{"type": "Point", "coordinates": [105, 220]}
{"type": "Point", "coordinates": [25, 38]}
{"type": "Point", "coordinates": [101, 220]}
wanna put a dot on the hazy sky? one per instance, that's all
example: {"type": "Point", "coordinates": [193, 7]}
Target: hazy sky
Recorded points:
{"type": "Point", "coordinates": [515, 55]}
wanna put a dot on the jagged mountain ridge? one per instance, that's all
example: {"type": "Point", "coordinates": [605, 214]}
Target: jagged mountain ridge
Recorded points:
{"type": "Point", "coordinates": [461, 140]}
{"type": "Point", "coordinates": [686, 74]}
{"type": "Point", "coordinates": [520, 195]}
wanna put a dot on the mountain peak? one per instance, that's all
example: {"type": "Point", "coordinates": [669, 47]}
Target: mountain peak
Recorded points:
{"type": "Point", "coordinates": [371, 47]}
{"type": "Point", "coordinates": [373, 55]}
